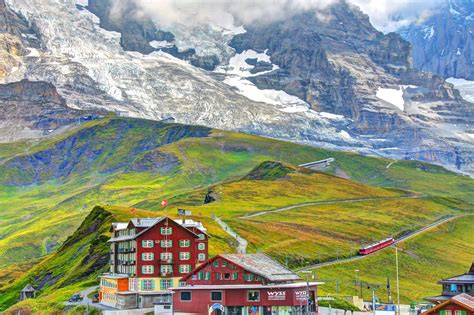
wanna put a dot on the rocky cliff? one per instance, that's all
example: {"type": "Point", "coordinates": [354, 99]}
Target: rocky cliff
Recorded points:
{"type": "Point", "coordinates": [35, 109]}
{"type": "Point", "coordinates": [443, 43]}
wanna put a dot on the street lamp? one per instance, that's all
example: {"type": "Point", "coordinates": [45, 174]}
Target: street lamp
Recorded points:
{"type": "Point", "coordinates": [398, 280]}
{"type": "Point", "coordinates": [307, 272]}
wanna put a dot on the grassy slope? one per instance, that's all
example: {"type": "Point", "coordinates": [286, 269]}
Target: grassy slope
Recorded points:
{"type": "Point", "coordinates": [37, 214]}
{"type": "Point", "coordinates": [324, 232]}
{"type": "Point", "coordinates": [82, 258]}
{"type": "Point", "coordinates": [444, 251]}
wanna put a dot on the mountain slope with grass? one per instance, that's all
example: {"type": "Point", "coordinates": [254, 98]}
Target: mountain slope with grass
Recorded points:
{"type": "Point", "coordinates": [48, 187]}
{"type": "Point", "coordinates": [439, 253]}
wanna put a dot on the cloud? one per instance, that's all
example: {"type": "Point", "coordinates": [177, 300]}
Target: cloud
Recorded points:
{"type": "Point", "coordinates": [389, 15]}
{"type": "Point", "coordinates": [386, 15]}
{"type": "Point", "coordinates": [224, 12]}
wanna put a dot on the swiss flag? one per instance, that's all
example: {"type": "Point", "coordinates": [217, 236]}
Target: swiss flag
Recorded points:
{"type": "Point", "coordinates": [164, 203]}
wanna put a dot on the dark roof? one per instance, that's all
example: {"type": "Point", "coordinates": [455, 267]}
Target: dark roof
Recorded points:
{"type": "Point", "coordinates": [464, 278]}
{"type": "Point", "coordinates": [262, 265]}
{"type": "Point", "coordinates": [147, 224]}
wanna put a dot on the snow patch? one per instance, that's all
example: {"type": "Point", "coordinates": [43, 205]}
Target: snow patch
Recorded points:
{"type": "Point", "coordinates": [289, 103]}
{"type": "Point", "coordinates": [84, 3]}
{"type": "Point", "coordinates": [238, 65]}
{"type": "Point", "coordinates": [33, 52]}
{"type": "Point", "coordinates": [345, 134]}
{"type": "Point", "coordinates": [160, 44]}
{"type": "Point", "coordinates": [331, 116]}
{"type": "Point", "coordinates": [392, 96]}
{"type": "Point", "coordinates": [459, 81]}
{"type": "Point", "coordinates": [453, 11]}
{"type": "Point", "coordinates": [429, 32]}
{"type": "Point", "coordinates": [464, 86]}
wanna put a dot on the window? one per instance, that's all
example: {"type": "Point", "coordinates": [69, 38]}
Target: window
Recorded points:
{"type": "Point", "coordinates": [182, 284]}
{"type": "Point", "coordinates": [185, 296]}
{"type": "Point", "coordinates": [208, 276]}
{"type": "Point", "coordinates": [184, 268]}
{"type": "Point", "coordinates": [184, 255]}
{"type": "Point", "coordinates": [166, 257]}
{"type": "Point", "coordinates": [225, 264]}
{"type": "Point", "coordinates": [235, 276]}
{"type": "Point", "coordinates": [165, 284]}
{"type": "Point", "coordinates": [184, 243]}
{"type": "Point", "coordinates": [147, 269]}
{"type": "Point", "coordinates": [147, 244]}
{"type": "Point", "coordinates": [148, 285]}
{"type": "Point", "coordinates": [248, 277]}
{"type": "Point", "coordinates": [253, 296]}
{"type": "Point", "coordinates": [216, 263]}
{"type": "Point", "coordinates": [166, 230]}
{"type": "Point", "coordinates": [226, 276]}
{"type": "Point", "coordinates": [201, 246]}
{"type": "Point", "coordinates": [148, 256]}
{"type": "Point", "coordinates": [202, 236]}
{"type": "Point", "coordinates": [218, 276]}
{"type": "Point", "coordinates": [166, 243]}
{"type": "Point", "coordinates": [216, 296]}
{"type": "Point", "coordinates": [166, 269]}
{"type": "Point", "coordinates": [201, 276]}
{"type": "Point", "coordinates": [201, 257]}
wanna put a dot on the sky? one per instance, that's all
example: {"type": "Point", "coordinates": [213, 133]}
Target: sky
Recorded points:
{"type": "Point", "coordinates": [386, 15]}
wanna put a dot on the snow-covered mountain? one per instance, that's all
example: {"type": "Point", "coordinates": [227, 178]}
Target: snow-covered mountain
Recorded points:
{"type": "Point", "coordinates": [328, 79]}
{"type": "Point", "coordinates": [444, 42]}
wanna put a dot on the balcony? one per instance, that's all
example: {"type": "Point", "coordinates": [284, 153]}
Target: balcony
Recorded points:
{"type": "Point", "coordinates": [126, 250]}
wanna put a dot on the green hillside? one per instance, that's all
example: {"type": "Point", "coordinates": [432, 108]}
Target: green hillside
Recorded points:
{"type": "Point", "coordinates": [47, 189]}
{"type": "Point", "coordinates": [442, 252]}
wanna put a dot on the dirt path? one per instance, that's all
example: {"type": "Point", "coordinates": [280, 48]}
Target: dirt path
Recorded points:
{"type": "Point", "coordinates": [242, 247]}
{"type": "Point", "coordinates": [328, 202]}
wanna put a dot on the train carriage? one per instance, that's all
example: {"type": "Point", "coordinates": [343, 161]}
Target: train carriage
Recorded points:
{"type": "Point", "coordinates": [377, 246]}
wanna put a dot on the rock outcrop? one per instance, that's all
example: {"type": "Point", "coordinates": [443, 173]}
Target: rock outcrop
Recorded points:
{"type": "Point", "coordinates": [35, 109]}
{"type": "Point", "coordinates": [443, 43]}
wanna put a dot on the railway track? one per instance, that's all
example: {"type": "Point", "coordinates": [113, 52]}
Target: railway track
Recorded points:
{"type": "Point", "coordinates": [401, 239]}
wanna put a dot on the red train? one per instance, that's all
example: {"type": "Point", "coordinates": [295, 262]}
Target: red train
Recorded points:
{"type": "Point", "coordinates": [377, 246]}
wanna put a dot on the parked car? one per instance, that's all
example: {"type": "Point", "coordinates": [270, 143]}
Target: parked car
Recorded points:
{"type": "Point", "coordinates": [76, 298]}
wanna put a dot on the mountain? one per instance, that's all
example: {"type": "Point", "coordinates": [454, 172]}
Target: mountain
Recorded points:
{"type": "Point", "coordinates": [334, 82]}
{"type": "Point", "coordinates": [444, 42]}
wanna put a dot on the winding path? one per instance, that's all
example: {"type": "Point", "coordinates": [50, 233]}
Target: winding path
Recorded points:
{"type": "Point", "coordinates": [401, 239]}
{"type": "Point", "coordinates": [242, 247]}
{"type": "Point", "coordinates": [328, 202]}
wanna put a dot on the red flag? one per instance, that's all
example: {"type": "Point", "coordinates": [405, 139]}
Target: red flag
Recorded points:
{"type": "Point", "coordinates": [164, 203]}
